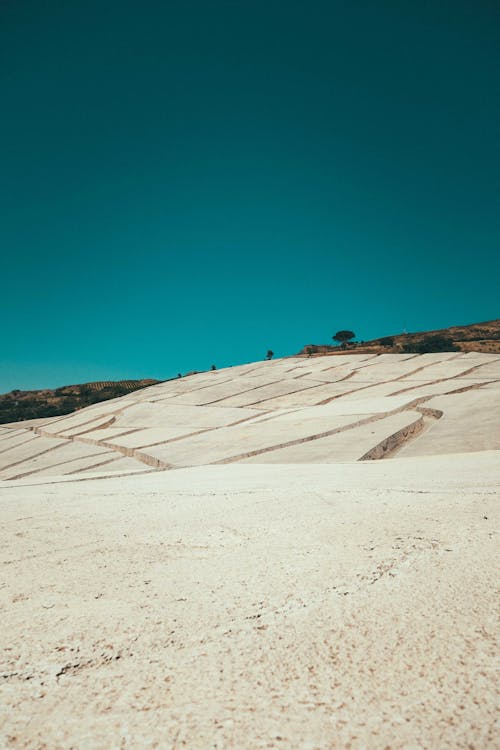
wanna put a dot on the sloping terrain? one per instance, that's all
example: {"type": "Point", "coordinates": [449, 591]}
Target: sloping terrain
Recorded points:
{"type": "Point", "coordinates": [290, 554]}
{"type": "Point", "coordinates": [475, 337]}
{"type": "Point", "coordinates": [357, 407]}
{"type": "Point", "coordinates": [21, 405]}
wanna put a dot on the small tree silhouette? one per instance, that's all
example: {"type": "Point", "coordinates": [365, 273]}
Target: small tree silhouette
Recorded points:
{"type": "Point", "coordinates": [213, 367]}
{"type": "Point", "coordinates": [270, 354]}
{"type": "Point", "coordinates": [343, 337]}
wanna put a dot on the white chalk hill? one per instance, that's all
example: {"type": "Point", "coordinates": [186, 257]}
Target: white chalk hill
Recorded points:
{"type": "Point", "coordinates": [325, 409]}
{"type": "Point", "coordinates": [223, 561]}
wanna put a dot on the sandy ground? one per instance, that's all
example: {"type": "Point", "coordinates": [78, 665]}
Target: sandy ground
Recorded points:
{"type": "Point", "coordinates": [252, 606]}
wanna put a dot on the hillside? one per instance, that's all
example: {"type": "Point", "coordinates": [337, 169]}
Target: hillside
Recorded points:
{"type": "Point", "coordinates": [291, 410]}
{"type": "Point", "coordinates": [19, 405]}
{"type": "Point", "coordinates": [22, 405]}
{"type": "Point", "coordinates": [295, 553]}
{"type": "Point", "coordinates": [476, 337]}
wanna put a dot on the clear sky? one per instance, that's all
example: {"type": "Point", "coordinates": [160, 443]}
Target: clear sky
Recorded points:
{"type": "Point", "coordinates": [191, 182]}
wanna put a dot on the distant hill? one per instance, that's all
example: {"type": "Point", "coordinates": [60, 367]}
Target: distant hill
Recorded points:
{"type": "Point", "coordinates": [476, 337]}
{"type": "Point", "coordinates": [20, 405]}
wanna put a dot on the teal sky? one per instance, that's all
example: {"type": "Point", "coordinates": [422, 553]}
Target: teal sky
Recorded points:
{"type": "Point", "coordinates": [187, 183]}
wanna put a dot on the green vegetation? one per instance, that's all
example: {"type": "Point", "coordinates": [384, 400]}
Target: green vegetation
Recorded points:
{"type": "Point", "coordinates": [270, 354]}
{"type": "Point", "coordinates": [387, 341]}
{"type": "Point", "coordinates": [312, 349]}
{"type": "Point", "coordinates": [343, 337]}
{"type": "Point", "coordinates": [428, 344]}
{"type": "Point", "coordinates": [17, 406]}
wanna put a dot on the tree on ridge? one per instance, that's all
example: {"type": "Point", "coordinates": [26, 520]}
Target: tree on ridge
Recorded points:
{"type": "Point", "coordinates": [343, 337]}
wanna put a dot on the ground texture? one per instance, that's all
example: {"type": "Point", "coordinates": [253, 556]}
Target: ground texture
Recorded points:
{"type": "Point", "coordinates": [224, 561]}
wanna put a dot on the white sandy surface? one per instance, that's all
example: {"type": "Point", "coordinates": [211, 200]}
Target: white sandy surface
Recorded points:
{"type": "Point", "coordinates": [323, 573]}
{"type": "Point", "coordinates": [242, 606]}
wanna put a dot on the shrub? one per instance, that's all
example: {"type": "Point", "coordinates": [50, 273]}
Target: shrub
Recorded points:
{"type": "Point", "coordinates": [428, 344]}
{"type": "Point", "coordinates": [387, 341]}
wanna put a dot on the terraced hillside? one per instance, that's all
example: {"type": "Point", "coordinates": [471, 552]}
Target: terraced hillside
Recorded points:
{"type": "Point", "coordinates": [222, 561]}
{"type": "Point", "coordinates": [321, 410]}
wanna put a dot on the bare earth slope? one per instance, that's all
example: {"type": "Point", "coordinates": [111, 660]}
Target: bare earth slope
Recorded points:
{"type": "Point", "coordinates": [224, 561]}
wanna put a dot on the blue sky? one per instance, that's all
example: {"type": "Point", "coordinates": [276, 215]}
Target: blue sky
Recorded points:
{"type": "Point", "coordinates": [188, 183]}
